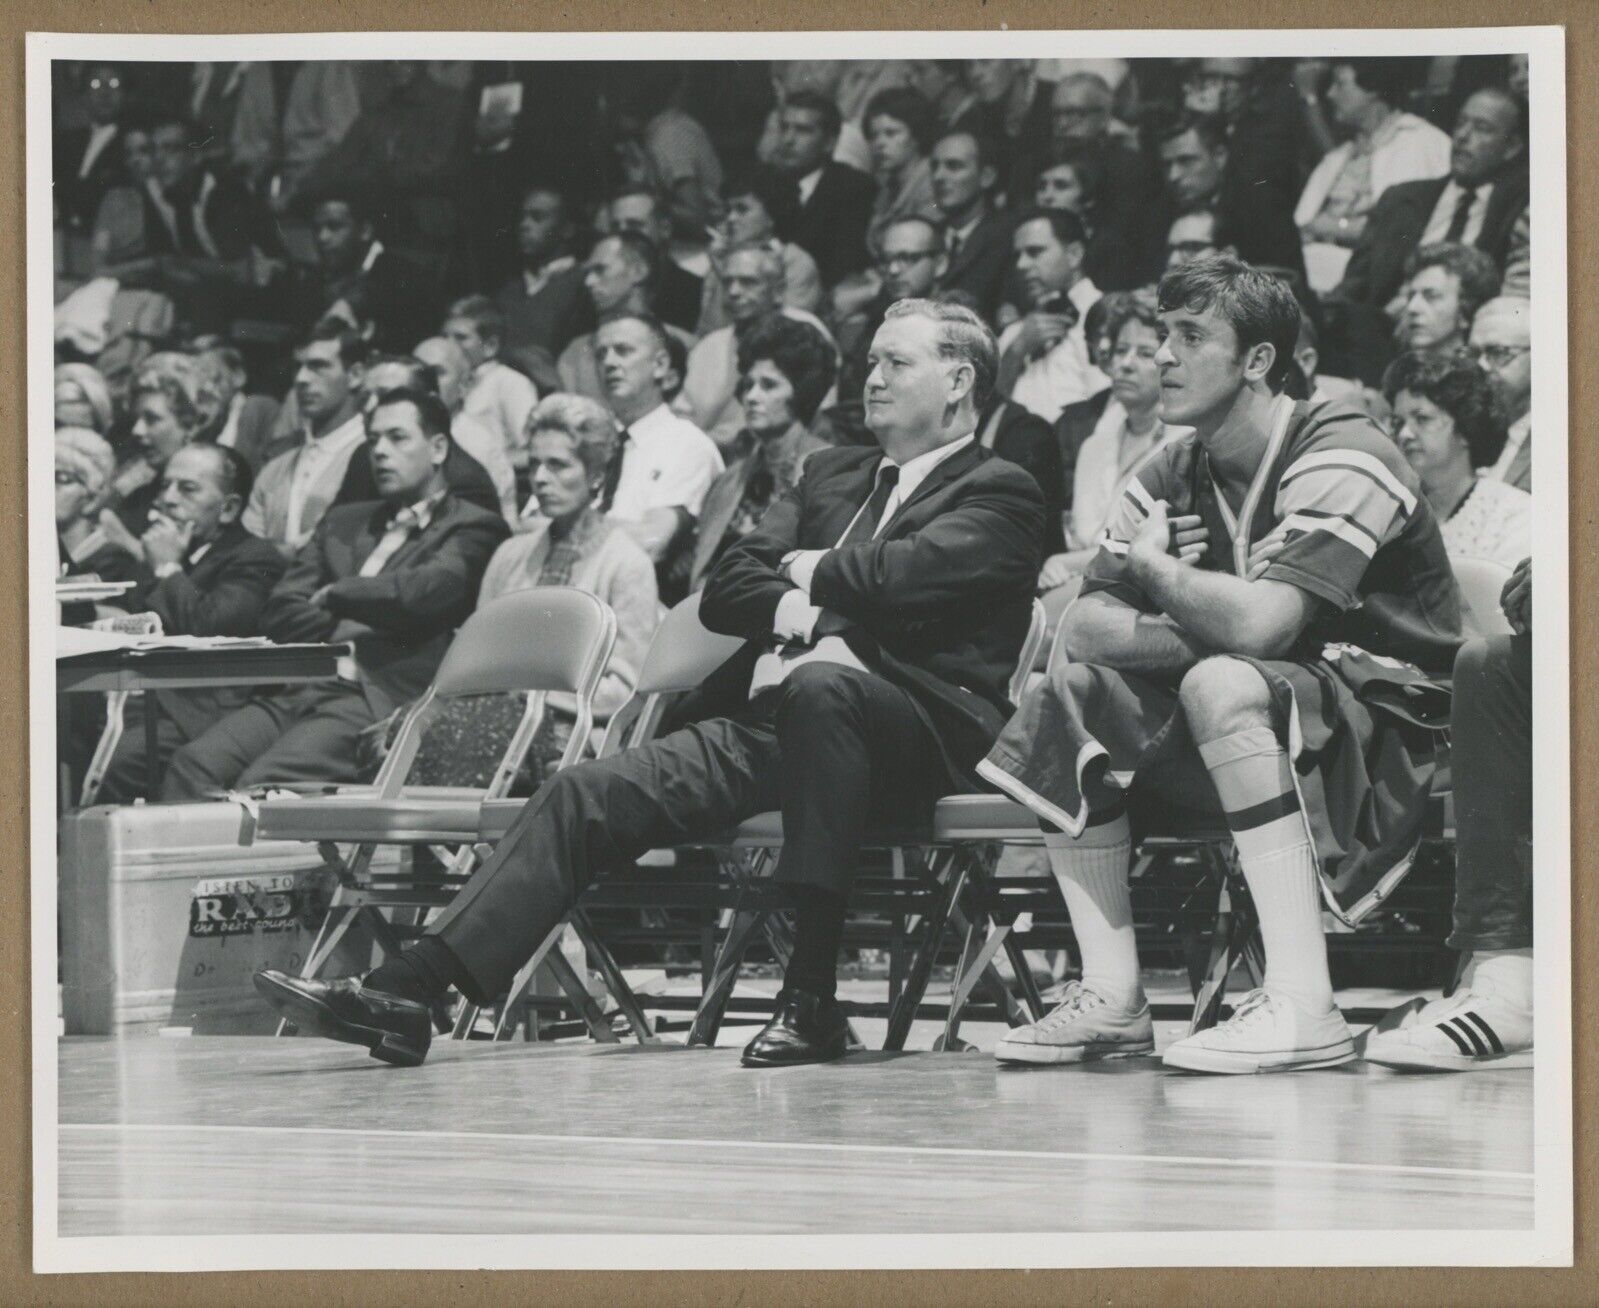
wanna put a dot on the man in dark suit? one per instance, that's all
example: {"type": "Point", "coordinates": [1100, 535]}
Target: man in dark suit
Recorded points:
{"type": "Point", "coordinates": [883, 603]}
{"type": "Point", "coordinates": [394, 577]}
{"type": "Point", "coordinates": [202, 574]}
{"type": "Point", "coordinates": [675, 292]}
{"type": "Point", "coordinates": [1477, 204]}
{"type": "Point", "coordinates": [977, 237]}
{"type": "Point", "coordinates": [87, 161]}
{"type": "Point", "coordinates": [835, 200]}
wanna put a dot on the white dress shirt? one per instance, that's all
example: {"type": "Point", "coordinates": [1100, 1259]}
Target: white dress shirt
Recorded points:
{"type": "Point", "coordinates": [1443, 214]}
{"type": "Point", "coordinates": [668, 463]}
{"type": "Point", "coordinates": [794, 623]}
{"type": "Point", "coordinates": [1065, 375]}
{"type": "Point", "coordinates": [807, 186]}
{"type": "Point", "coordinates": [100, 136]}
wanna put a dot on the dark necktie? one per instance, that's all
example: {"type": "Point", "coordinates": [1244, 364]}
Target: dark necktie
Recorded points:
{"type": "Point", "coordinates": [866, 521]}
{"type": "Point", "coordinates": [613, 474]}
{"type": "Point", "coordinates": [1457, 224]}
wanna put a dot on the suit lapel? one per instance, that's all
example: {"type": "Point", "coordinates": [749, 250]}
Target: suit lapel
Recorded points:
{"type": "Point", "coordinates": [954, 466]}
{"type": "Point", "coordinates": [415, 541]}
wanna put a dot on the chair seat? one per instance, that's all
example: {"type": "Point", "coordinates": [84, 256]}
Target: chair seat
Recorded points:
{"type": "Point", "coordinates": [365, 819]}
{"type": "Point", "coordinates": [978, 817]}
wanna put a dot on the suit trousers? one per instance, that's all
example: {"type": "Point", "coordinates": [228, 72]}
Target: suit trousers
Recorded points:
{"type": "Point", "coordinates": [1491, 758]}
{"type": "Point", "coordinates": [831, 746]}
{"type": "Point", "coordinates": [311, 734]}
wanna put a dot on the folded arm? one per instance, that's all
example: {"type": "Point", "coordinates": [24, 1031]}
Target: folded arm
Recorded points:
{"type": "Point", "coordinates": [434, 594]}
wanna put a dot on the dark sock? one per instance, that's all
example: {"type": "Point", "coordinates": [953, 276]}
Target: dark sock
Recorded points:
{"type": "Point", "coordinates": [423, 971]}
{"type": "Point", "coordinates": [818, 933]}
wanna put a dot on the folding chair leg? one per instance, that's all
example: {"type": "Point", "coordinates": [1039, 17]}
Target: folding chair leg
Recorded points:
{"type": "Point", "coordinates": [524, 979]}
{"type": "Point", "coordinates": [724, 975]}
{"type": "Point", "coordinates": [605, 963]}
{"type": "Point", "coordinates": [975, 954]}
{"type": "Point", "coordinates": [903, 1012]}
{"type": "Point", "coordinates": [1230, 938]}
{"type": "Point", "coordinates": [110, 737]}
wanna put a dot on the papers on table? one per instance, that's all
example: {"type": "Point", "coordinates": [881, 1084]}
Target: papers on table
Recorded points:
{"type": "Point", "coordinates": [73, 641]}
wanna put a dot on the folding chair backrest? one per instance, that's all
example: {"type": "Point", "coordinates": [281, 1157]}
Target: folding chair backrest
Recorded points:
{"type": "Point", "coordinates": [1480, 582]}
{"type": "Point", "coordinates": [682, 654]}
{"type": "Point", "coordinates": [534, 641]}
{"type": "Point", "coordinates": [1024, 665]}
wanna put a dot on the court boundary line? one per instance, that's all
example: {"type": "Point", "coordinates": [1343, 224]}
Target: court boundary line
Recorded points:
{"type": "Point", "coordinates": [817, 1146]}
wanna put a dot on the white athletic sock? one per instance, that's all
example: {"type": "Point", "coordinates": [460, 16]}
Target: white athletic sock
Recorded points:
{"type": "Point", "coordinates": [1092, 871]}
{"type": "Point", "coordinates": [1504, 973]}
{"type": "Point", "coordinates": [1254, 782]}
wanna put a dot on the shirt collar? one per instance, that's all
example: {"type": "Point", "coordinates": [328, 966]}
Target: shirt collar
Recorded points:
{"type": "Point", "coordinates": [914, 472]}
{"type": "Point", "coordinates": [653, 423]}
{"type": "Point", "coordinates": [423, 510]}
{"type": "Point", "coordinates": [347, 432]}
{"type": "Point", "coordinates": [200, 551]}
{"type": "Point", "coordinates": [372, 255]}
{"type": "Point", "coordinates": [534, 282]}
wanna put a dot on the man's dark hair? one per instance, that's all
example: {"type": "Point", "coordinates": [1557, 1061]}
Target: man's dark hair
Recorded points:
{"type": "Point", "coordinates": [1210, 130]}
{"type": "Point", "coordinates": [355, 200]}
{"type": "Point", "coordinates": [352, 349]}
{"type": "Point", "coordinates": [1390, 80]}
{"type": "Point", "coordinates": [987, 150]}
{"type": "Point", "coordinates": [907, 106]}
{"type": "Point", "coordinates": [677, 362]}
{"type": "Point", "coordinates": [430, 410]}
{"type": "Point", "coordinates": [641, 248]}
{"type": "Point", "coordinates": [818, 104]}
{"type": "Point", "coordinates": [483, 314]}
{"type": "Point", "coordinates": [776, 193]}
{"type": "Point", "coordinates": [1517, 106]}
{"type": "Point", "coordinates": [422, 377]}
{"type": "Point", "coordinates": [234, 474]}
{"type": "Point", "coordinates": [1084, 162]}
{"type": "Point", "coordinates": [629, 190]}
{"type": "Point", "coordinates": [1458, 386]}
{"type": "Point", "coordinates": [1261, 309]}
{"type": "Point", "coordinates": [1064, 223]}
{"type": "Point", "coordinates": [1475, 270]}
{"type": "Point", "coordinates": [798, 351]}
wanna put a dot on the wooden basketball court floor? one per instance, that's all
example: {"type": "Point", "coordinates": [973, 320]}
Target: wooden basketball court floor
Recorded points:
{"type": "Point", "coordinates": [253, 1135]}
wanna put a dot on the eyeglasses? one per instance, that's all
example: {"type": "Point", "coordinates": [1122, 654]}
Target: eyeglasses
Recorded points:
{"type": "Point", "coordinates": [907, 259]}
{"type": "Point", "coordinates": [105, 83]}
{"type": "Point", "coordinates": [1497, 355]}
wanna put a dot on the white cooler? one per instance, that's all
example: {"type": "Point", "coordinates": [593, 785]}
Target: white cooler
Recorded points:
{"type": "Point", "coordinates": [165, 917]}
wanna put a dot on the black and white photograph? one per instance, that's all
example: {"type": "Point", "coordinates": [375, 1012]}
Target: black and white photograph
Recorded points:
{"type": "Point", "coordinates": [828, 650]}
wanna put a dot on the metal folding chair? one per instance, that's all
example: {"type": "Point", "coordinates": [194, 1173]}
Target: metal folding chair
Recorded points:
{"type": "Point", "coordinates": [549, 638]}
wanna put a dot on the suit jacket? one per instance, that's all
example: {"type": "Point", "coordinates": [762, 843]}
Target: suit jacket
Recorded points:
{"type": "Point", "coordinates": [219, 595]}
{"type": "Point", "coordinates": [676, 294]}
{"type": "Point", "coordinates": [1074, 426]}
{"type": "Point", "coordinates": [78, 198]}
{"type": "Point", "coordinates": [398, 295]}
{"type": "Point", "coordinates": [982, 263]}
{"type": "Point", "coordinates": [468, 480]}
{"type": "Point", "coordinates": [233, 218]}
{"type": "Point", "coordinates": [1029, 442]}
{"type": "Point", "coordinates": [940, 599]}
{"type": "Point", "coordinates": [831, 228]}
{"type": "Point", "coordinates": [1377, 266]}
{"type": "Point", "coordinates": [401, 620]}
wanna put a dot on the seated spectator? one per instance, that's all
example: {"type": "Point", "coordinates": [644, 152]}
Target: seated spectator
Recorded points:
{"type": "Point", "coordinates": [1451, 430]}
{"type": "Point", "coordinates": [617, 276]}
{"type": "Point", "coordinates": [573, 442]}
{"type": "Point", "coordinates": [658, 483]}
{"type": "Point", "coordinates": [910, 262]}
{"type": "Point", "coordinates": [1044, 362]}
{"type": "Point", "coordinates": [942, 83]}
{"type": "Point", "coordinates": [295, 489]}
{"type": "Point", "coordinates": [1086, 128]}
{"type": "Point", "coordinates": [675, 291]}
{"type": "Point", "coordinates": [117, 237]}
{"type": "Point", "coordinates": [760, 205]}
{"type": "Point", "coordinates": [900, 129]}
{"type": "Point", "coordinates": [786, 369]}
{"type": "Point", "coordinates": [1018, 434]}
{"type": "Point", "coordinates": [835, 200]}
{"type": "Point", "coordinates": [665, 149]}
{"type": "Point", "coordinates": [394, 577]}
{"type": "Point", "coordinates": [1386, 146]}
{"type": "Point", "coordinates": [1444, 287]}
{"type": "Point", "coordinates": [358, 278]}
{"type": "Point", "coordinates": [87, 162]}
{"type": "Point", "coordinates": [244, 422]}
{"type": "Point", "coordinates": [1255, 108]}
{"type": "Point", "coordinates": [1501, 339]}
{"type": "Point", "coordinates": [203, 575]}
{"type": "Point", "coordinates": [82, 399]}
{"type": "Point", "coordinates": [1199, 172]}
{"type": "Point", "coordinates": [169, 404]}
{"type": "Point", "coordinates": [544, 306]}
{"type": "Point", "coordinates": [1477, 204]}
{"type": "Point", "coordinates": [1070, 180]}
{"type": "Point", "coordinates": [1013, 112]}
{"type": "Point", "coordinates": [977, 236]}
{"type": "Point", "coordinates": [498, 397]}
{"type": "Point", "coordinates": [448, 364]}
{"type": "Point", "coordinates": [1101, 325]}
{"type": "Point", "coordinates": [1194, 235]}
{"type": "Point", "coordinates": [1129, 432]}
{"type": "Point", "coordinates": [84, 467]}
{"type": "Point", "coordinates": [752, 281]}
{"type": "Point", "coordinates": [1490, 759]}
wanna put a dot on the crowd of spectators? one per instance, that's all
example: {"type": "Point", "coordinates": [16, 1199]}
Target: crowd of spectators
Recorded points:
{"type": "Point", "coordinates": [345, 347]}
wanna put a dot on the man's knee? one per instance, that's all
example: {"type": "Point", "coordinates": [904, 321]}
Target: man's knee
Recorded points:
{"type": "Point", "coordinates": [1224, 695]}
{"type": "Point", "coordinates": [1473, 662]}
{"type": "Point", "coordinates": [815, 692]}
{"type": "Point", "coordinates": [187, 776]}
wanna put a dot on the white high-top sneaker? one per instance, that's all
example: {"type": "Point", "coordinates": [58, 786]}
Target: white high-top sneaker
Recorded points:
{"type": "Point", "coordinates": [1464, 1033]}
{"type": "Point", "coordinates": [1084, 1027]}
{"type": "Point", "coordinates": [1268, 1033]}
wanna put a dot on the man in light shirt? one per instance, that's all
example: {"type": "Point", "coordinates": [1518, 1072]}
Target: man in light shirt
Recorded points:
{"type": "Point", "coordinates": [295, 489]}
{"type": "Point", "coordinates": [494, 395]}
{"type": "Point", "coordinates": [882, 606]}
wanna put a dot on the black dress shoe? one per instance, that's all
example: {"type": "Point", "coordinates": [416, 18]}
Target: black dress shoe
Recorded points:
{"type": "Point", "coordinates": [395, 1030]}
{"type": "Point", "coordinates": [805, 1029]}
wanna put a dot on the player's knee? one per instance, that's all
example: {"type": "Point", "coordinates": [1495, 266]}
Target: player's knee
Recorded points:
{"type": "Point", "coordinates": [1471, 664]}
{"type": "Point", "coordinates": [1223, 695]}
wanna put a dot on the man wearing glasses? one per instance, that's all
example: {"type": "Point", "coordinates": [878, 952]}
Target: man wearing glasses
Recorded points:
{"type": "Point", "coordinates": [1501, 341]}
{"type": "Point", "coordinates": [911, 262]}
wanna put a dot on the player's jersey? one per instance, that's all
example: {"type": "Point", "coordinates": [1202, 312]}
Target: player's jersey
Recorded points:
{"type": "Point", "coordinates": [1360, 535]}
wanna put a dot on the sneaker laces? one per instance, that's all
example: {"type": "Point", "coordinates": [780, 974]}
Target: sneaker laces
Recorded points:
{"type": "Point", "coordinates": [1256, 1003]}
{"type": "Point", "coordinates": [1078, 1000]}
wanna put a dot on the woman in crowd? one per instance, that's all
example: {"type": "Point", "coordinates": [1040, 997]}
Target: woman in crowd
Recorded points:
{"type": "Point", "coordinates": [82, 398]}
{"type": "Point", "coordinates": [170, 404]}
{"type": "Point", "coordinates": [242, 421]}
{"type": "Point", "coordinates": [786, 369]}
{"type": "Point", "coordinates": [572, 442]}
{"type": "Point", "coordinates": [117, 240]}
{"type": "Point", "coordinates": [1450, 428]}
{"type": "Point", "coordinates": [85, 466]}
{"type": "Point", "coordinates": [1128, 431]}
{"type": "Point", "coordinates": [1073, 180]}
{"type": "Point", "coordinates": [760, 205]}
{"type": "Point", "coordinates": [900, 127]}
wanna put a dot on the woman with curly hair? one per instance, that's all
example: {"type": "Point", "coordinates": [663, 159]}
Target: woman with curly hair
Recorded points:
{"type": "Point", "coordinates": [1450, 428]}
